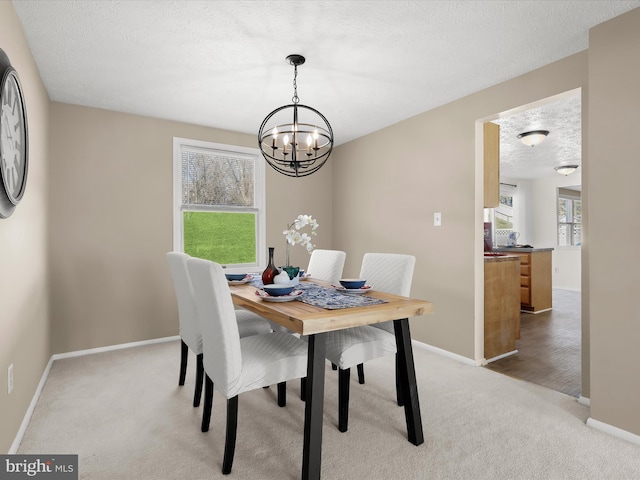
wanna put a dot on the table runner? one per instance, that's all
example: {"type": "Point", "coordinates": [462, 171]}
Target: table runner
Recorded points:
{"type": "Point", "coordinates": [327, 297]}
{"type": "Point", "coordinates": [331, 299]}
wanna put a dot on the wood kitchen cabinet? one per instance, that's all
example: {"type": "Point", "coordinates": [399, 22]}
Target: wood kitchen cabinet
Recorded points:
{"type": "Point", "coordinates": [491, 165]}
{"type": "Point", "coordinates": [501, 305]}
{"type": "Point", "coordinates": [535, 279]}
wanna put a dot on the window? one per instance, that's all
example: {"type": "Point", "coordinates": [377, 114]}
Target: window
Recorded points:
{"type": "Point", "coordinates": [504, 216]}
{"type": "Point", "coordinates": [504, 212]}
{"type": "Point", "coordinates": [569, 217]}
{"type": "Point", "coordinates": [218, 206]}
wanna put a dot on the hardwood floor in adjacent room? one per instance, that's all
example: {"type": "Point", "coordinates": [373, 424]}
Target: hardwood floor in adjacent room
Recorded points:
{"type": "Point", "coordinates": [549, 346]}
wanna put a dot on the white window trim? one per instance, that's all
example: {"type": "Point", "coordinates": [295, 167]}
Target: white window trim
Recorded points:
{"type": "Point", "coordinates": [260, 193]}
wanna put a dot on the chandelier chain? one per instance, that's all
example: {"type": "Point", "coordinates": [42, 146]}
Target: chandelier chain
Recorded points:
{"type": "Point", "coordinates": [295, 98]}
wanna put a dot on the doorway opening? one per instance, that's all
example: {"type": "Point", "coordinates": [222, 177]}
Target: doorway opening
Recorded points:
{"type": "Point", "coordinates": [548, 351]}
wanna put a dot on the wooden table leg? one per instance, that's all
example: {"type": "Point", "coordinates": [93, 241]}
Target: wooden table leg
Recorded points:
{"type": "Point", "coordinates": [408, 381]}
{"type": "Point", "coordinates": [313, 410]}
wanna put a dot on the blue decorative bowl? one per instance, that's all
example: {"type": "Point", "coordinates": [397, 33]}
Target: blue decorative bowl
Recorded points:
{"type": "Point", "coordinates": [235, 276]}
{"type": "Point", "coordinates": [278, 290]}
{"type": "Point", "coordinates": [352, 283]}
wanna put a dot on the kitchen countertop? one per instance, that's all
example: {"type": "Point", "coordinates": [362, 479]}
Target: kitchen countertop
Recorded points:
{"type": "Point", "coordinates": [521, 249]}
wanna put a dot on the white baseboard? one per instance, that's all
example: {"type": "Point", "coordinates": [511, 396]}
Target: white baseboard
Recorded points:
{"type": "Point", "coordinates": [615, 431]}
{"type": "Point", "coordinates": [45, 375]}
{"type": "Point", "coordinates": [110, 348]}
{"type": "Point", "coordinates": [446, 353]}
{"type": "Point", "coordinates": [536, 313]}
{"type": "Point", "coordinates": [27, 416]}
{"type": "Point", "coordinates": [584, 401]}
{"type": "Point", "coordinates": [498, 357]}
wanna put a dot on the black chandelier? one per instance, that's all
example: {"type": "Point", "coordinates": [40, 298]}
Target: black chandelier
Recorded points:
{"type": "Point", "coordinates": [294, 139]}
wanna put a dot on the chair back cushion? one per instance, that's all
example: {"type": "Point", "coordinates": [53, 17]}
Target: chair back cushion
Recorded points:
{"type": "Point", "coordinates": [221, 340]}
{"type": "Point", "coordinates": [326, 265]}
{"type": "Point", "coordinates": [390, 273]}
{"type": "Point", "coordinates": [189, 326]}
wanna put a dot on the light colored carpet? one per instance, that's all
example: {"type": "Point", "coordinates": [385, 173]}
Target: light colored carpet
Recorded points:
{"type": "Point", "coordinates": [126, 417]}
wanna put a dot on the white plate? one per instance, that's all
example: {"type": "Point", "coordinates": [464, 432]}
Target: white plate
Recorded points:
{"type": "Point", "coordinates": [283, 298]}
{"type": "Point", "coordinates": [359, 291]}
{"type": "Point", "coordinates": [246, 279]}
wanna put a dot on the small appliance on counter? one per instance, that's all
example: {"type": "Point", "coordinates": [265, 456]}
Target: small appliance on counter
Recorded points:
{"type": "Point", "coordinates": [512, 238]}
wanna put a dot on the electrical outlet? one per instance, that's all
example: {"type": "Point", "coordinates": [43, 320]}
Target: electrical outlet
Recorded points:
{"type": "Point", "coordinates": [437, 219]}
{"type": "Point", "coordinates": [10, 378]}
{"type": "Point", "coordinates": [556, 269]}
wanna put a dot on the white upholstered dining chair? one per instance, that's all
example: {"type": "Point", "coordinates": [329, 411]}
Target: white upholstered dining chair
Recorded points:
{"type": "Point", "coordinates": [234, 365]}
{"type": "Point", "coordinates": [385, 272]}
{"type": "Point", "coordinates": [326, 265]}
{"type": "Point", "coordinates": [190, 335]}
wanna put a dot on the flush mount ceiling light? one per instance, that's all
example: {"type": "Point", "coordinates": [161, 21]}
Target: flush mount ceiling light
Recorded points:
{"type": "Point", "coordinates": [296, 140]}
{"type": "Point", "coordinates": [533, 137]}
{"type": "Point", "coordinates": [566, 169]}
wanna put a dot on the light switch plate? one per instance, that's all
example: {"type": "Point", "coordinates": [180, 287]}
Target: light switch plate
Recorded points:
{"type": "Point", "coordinates": [437, 219]}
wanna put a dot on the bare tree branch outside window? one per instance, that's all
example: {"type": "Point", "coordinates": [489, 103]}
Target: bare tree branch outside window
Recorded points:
{"type": "Point", "coordinates": [211, 179]}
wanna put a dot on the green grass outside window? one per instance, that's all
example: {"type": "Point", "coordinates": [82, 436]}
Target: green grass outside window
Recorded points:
{"type": "Point", "coordinates": [225, 238]}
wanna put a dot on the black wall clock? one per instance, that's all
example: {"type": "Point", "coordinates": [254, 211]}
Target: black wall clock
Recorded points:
{"type": "Point", "coordinates": [14, 142]}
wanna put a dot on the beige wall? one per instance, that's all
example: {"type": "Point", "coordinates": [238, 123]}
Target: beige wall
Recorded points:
{"type": "Point", "coordinates": [24, 289]}
{"type": "Point", "coordinates": [389, 184]}
{"type": "Point", "coordinates": [613, 172]}
{"type": "Point", "coordinates": [111, 222]}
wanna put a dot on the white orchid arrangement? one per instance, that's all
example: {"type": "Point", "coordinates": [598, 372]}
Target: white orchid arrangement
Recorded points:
{"type": "Point", "coordinates": [295, 237]}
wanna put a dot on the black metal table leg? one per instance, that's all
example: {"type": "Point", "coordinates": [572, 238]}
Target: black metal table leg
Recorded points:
{"type": "Point", "coordinates": [313, 410]}
{"type": "Point", "coordinates": [408, 381]}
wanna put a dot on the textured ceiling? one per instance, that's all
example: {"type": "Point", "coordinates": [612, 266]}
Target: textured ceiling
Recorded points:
{"type": "Point", "coordinates": [561, 116]}
{"type": "Point", "coordinates": [369, 63]}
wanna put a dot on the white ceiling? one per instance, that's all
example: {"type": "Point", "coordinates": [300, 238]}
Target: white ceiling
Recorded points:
{"type": "Point", "coordinates": [369, 63]}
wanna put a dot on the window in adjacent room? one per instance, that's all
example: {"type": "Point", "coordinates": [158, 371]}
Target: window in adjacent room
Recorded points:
{"type": "Point", "coordinates": [504, 214]}
{"type": "Point", "coordinates": [569, 216]}
{"type": "Point", "coordinates": [219, 203]}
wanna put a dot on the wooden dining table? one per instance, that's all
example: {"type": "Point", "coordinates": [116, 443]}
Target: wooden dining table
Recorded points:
{"type": "Point", "coordinates": [315, 322]}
